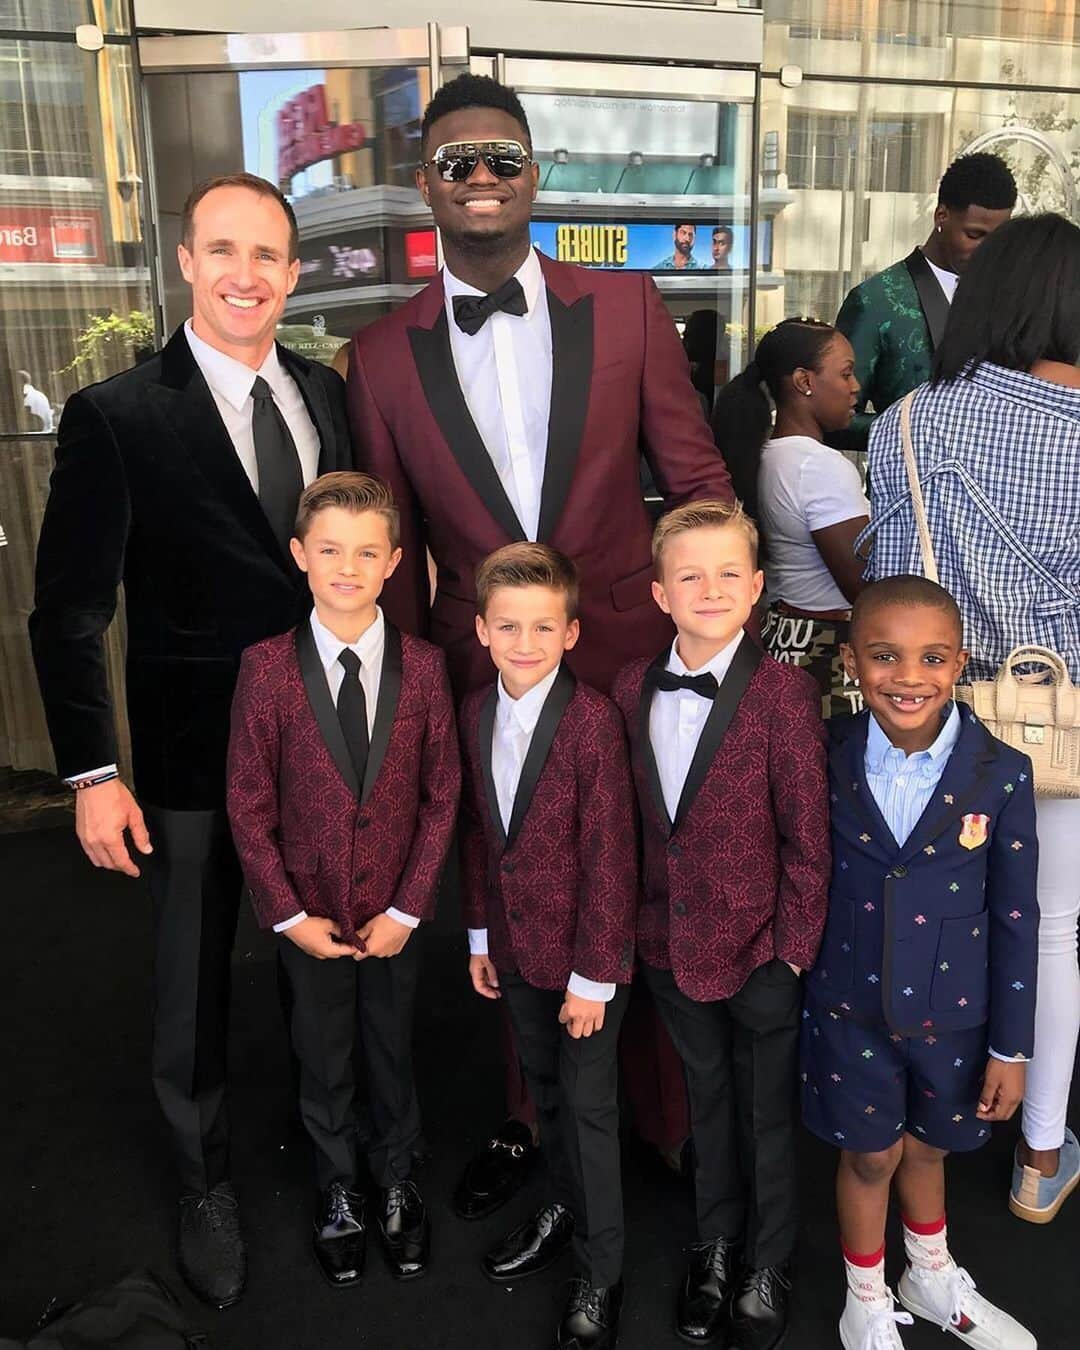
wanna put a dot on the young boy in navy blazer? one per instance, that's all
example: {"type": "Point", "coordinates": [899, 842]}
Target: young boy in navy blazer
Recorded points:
{"type": "Point", "coordinates": [729, 763]}
{"type": "Point", "coordinates": [550, 889]}
{"type": "Point", "coordinates": [343, 789]}
{"type": "Point", "coordinates": [921, 1009]}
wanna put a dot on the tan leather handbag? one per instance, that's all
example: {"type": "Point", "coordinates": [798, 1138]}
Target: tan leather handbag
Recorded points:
{"type": "Point", "coordinates": [1037, 712]}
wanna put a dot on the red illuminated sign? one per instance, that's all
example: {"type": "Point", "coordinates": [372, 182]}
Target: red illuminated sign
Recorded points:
{"type": "Point", "coordinates": [420, 260]}
{"type": "Point", "coordinates": [36, 234]}
{"type": "Point", "coordinates": [305, 135]}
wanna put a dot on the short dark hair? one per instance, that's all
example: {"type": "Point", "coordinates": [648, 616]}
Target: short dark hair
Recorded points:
{"type": "Point", "coordinates": [1018, 300]}
{"type": "Point", "coordinates": [262, 187]}
{"type": "Point", "coordinates": [353, 492]}
{"type": "Point", "coordinates": [474, 91]}
{"type": "Point", "coordinates": [680, 223]}
{"type": "Point", "coordinates": [724, 229]}
{"type": "Point", "coordinates": [904, 589]}
{"type": "Point", "coordinates": [978, 180]}
{"type": "Point", "coordinates": [527, 564]}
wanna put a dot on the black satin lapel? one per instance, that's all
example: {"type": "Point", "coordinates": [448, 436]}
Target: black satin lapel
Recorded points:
{"type": "Point", "coordinates": [486, 735]}
{"type": "Point", "coordinates": [385, 708]}
{"type": "Point", "coordinates": [317, 404]}
{"type": "Point", "coordinates": [551, 714]}
{"type": "Point", "coordinates": [746, 660]}
{"type": "Point", "coordinates": [435, 366]}
{"type": "Point", "coordinates": [850, 778]}
{"type": "Point", "coordinates": [935, 307]}
{"type": "Point", "coordinates": [571, 379]}
{"type": "Point", "coordinates": [644, 743]}
{"type": "Point", "coordinates": [322, 705]}
{"type": "Point", "coordinates": [962, 781]}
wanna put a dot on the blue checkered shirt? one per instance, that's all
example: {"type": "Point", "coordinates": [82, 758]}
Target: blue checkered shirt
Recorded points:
{"type": "Point", "coordinates": [999, 461]}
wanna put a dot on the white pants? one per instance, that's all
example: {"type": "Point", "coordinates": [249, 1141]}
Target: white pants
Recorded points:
{"type": "Point", "coordinates": [1057, 1005]}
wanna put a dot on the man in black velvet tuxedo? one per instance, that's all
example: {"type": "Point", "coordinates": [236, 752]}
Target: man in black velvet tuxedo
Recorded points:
{"type": "Point", "coordinates": [180, 478]}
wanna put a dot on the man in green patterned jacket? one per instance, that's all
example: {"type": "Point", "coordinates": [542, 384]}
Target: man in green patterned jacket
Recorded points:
{"type": "Point", "coordinates": [895, 320]}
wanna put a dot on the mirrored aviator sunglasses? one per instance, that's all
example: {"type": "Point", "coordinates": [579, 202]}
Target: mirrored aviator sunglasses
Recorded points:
{"type": "Point", "coordinates": [455, 161]}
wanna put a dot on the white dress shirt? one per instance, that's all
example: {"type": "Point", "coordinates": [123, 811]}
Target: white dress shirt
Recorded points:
{"type": "Point", "coordinates": [369, 648]}
{"type": "Point", "coordinates": [677, 718]}
{"type": "Point", "coordinates": [946, 280]}
{"type": "Point", "coordinates": [515, 722]}
{"type": "Point", "coordinates": [230, 384]}
{"type": "Point", "coordinates": [505, 375]}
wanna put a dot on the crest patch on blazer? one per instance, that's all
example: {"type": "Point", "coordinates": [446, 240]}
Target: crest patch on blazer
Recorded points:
{"type": "Point", "coordinates": [973, 830]}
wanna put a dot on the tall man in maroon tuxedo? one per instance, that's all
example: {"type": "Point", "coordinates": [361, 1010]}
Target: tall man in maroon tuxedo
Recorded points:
{"type": "Point", "coordinates": [511, 400]}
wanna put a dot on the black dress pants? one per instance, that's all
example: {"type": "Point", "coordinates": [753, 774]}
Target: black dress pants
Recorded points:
{"type": "Point", "coordinates": [333, 1003]}
{"type": "Point", "coordinates": [740, 1056]}
{"type": "Point", "coordinates": [195, 887]}
{"type": "Point", "coordinates": [575, 1085]}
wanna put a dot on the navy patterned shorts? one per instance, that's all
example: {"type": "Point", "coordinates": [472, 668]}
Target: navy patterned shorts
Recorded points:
{"type": "Point", "coordinates": [863, 1087]}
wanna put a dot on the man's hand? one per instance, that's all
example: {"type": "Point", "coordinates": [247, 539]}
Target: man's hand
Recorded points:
{"type": "Point", "coordinates": [1002, 1089]}
{"type": "Point", "coordinates": [102, 814]}
{"type": "Point", "coordinates": [381, 936]}
{"type": "Point", "coordinates": [581, 1016]}
{"type": "Point", "coordinates": [320, 938]}
{"type": "Point", "coordinates": [484, 976]}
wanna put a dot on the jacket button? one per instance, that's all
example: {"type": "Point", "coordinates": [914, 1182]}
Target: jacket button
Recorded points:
{"type": "Point", "coordinates": [678, 908]}
{"type": "Point", "coordinates": [508, 867]}
{"type": "Point", "coordinates": [515, 915]}
{"type": "Point", "coordinates": [360, 876]}
{"type": "Point", "coordinates": [899, 871]}
{"type": "Point", "coordinates": [675, 851]}
{"type": "Point", "coordinates": [363, 823]}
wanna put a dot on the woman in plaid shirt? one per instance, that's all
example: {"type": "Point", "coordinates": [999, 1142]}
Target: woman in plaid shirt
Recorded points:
{"type": "Point", "coordinates": [996, 435]}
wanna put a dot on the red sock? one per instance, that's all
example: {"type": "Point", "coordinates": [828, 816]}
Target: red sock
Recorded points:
{"type": "Point", "coordinates": [866, 1276]}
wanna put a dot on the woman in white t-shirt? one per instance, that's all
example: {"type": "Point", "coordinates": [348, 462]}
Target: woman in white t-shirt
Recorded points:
{"type": "Point", "coordinates": [807, 499]}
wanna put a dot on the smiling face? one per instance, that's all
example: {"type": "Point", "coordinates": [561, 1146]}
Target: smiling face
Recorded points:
{"type": "Point", "coordinates": [239, 271]}
{"type": "Point", "coordinates": [906, 658]}
{"type": "Point", "coordinates": [484, 212]}
{"type": "Point", "coordinates": [526, 629]}
{"type": "Point", "coordinates": [347, 556]}
{"type": "Point", "coordinates": [709, 585]}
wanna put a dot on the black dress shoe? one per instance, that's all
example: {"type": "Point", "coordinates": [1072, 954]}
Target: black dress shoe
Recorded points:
{"type": "Point", "coordinates": [703, 1301]}
{"type": "Point", "coordinates": [759, 1310]}
{"type": "Point", "coordinates": [404, 1229]}
{"type": "Point", "coordinates": [212, 1257]}
{"type": "Point", "coordinates": [340, 1239]}
{"type": "Point", "coordinates": [533, 1246]}
{"type": "Point", "coordinates": [493, 1175]}
{"type": "Point", "coordinates": [590, 1320]}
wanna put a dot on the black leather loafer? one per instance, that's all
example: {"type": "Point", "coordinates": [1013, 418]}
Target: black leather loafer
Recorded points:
{"type": "Point", "coordinates": [759, 1309]}
{"type": "Point", "coordinates": [705, 1296]}
{"type": "Point", "coordinates": [590, 1320]}
{"type": "Point", "coordinates": [405, 1230]}
{"type": "Point", "coordinates": [532, 1247]}
{"type": "Point", "coordinates": [340, 1239]}
{"type": "Point", "coordinates": [212, 1256]}
{"type": "Point", "coordinates": [496, 1173]}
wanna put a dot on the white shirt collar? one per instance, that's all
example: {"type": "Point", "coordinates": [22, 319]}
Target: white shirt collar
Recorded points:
{"type": "Point", "coordinates": [525, 711]}
{"type": "Point", "coordinates": [878, 744]}
{"type": "Point", "coordinates": [717, 666]}
{"type": "Point", "coordinates": [368, 648]}
{"type": "Point", "coordinates": [230, 378]}
{"type": "Point", "coordinates": [530, 274]}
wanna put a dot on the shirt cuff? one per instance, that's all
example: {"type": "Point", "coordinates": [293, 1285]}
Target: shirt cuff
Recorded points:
{"type": "Point", "coordinates": [1009, 1059]}
{"type": "Point", "coordinates": [91, 773]}
{"type": "Point", "coordinates": [591, 989]}
{"type": "Point", "coordinates": [409, 920]}
{"type": "Point", "coordinates": [290, 923]}
{"type": "Point", "coordinates": [478, 942]}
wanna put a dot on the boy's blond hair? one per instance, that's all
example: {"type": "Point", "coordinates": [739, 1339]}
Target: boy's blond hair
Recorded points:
{"type": "Point", "coordinates": [710, 513]}
{"type": "Point", "coordinates": [525, 564]}
{"type": "Point", "coordinates": [353, 492]}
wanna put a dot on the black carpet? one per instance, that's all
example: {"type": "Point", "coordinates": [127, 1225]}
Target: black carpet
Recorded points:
{"type": "Point", "coordinates": [86, 1191]}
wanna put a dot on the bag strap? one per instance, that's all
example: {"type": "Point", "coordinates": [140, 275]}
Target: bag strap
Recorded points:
{"type": "Point", "coordinates": [918, 506]}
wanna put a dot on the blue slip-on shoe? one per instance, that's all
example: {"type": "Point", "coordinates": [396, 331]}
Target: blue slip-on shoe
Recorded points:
{"type": "Point", "coordinates": [1037, 1198]}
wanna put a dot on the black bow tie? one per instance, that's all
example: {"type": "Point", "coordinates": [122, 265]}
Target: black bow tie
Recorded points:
{"type": "Point", "coordinates": [704, 684]}
{"type": "Point", "coordinates": [471, 312]}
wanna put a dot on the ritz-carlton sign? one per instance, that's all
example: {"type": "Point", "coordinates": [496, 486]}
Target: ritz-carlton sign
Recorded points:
{"type": "Point", "coordinates": [306, 136]}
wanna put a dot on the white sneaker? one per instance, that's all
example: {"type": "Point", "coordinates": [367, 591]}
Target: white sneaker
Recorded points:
{"type": "Point", "coordinates": [949, 1299]}
{"type": "Point", "coordinates": [866, 1326]}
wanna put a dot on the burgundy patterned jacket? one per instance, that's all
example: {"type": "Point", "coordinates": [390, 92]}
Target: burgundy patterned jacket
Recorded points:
{"type": "Point", "coordinates": [309, 835]}
{"type": "Point", "coordinates": [559, 891]}
{"type": "Point", "coordinates": [742, 874]}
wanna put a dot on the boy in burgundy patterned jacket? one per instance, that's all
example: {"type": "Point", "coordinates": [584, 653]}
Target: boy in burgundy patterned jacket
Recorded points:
{"type": "Point", "coordinates": [343, 783]}
{"type": "Point", "coordinates": [550, 891]}
{"type": "Point", "coordinates": [728, 751]}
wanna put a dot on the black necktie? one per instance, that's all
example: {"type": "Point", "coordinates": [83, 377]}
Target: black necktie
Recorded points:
{"type": "Point", "coordinates": [471, 312]}
{"type": "Point", "coordinates": [352, 712]}
{"type": "Point", "coordinates": [704, 684]}
{"type": "Point", "coordinates": [280, 479]}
